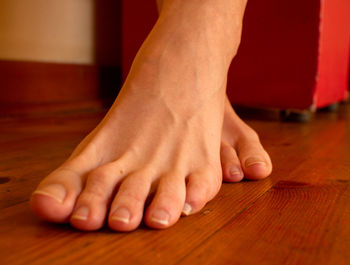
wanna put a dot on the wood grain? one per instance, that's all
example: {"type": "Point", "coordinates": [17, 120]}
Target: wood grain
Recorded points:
{"type": "Point", "coordinates": [299, 215]}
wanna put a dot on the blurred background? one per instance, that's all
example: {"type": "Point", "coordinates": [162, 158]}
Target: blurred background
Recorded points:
{"type": "Point", "coordinates": [293, 56]}
{"type": "Point", "coordinates": [59, 50]}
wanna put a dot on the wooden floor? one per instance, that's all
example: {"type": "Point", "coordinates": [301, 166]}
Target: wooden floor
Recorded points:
{"type": "Point", "coordinates": [299, 215]}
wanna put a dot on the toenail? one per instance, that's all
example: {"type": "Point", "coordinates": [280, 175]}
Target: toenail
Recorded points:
{"type": "Point", "coordinates": [81, 213]}
{"type": "Point", "coordinates": [251, 161]}
{"type": "Point", "coordinates": [55, 191]}
{"type": "Point", "coordinates": [187, 209]}
{"type": "Point", "coordinates": [160, 217]}
{"type": "Point", "coordinates": [235, 173]}
{"type": "Point", "coordinates": [121, 214]}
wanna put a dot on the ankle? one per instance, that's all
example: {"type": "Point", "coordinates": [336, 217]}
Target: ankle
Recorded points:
{"type": "Point", "coordinates": [214, 23]}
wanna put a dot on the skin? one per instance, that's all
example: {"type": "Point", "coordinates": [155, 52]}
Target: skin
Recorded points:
{"type": "Point", "coordinates": [170, 137]}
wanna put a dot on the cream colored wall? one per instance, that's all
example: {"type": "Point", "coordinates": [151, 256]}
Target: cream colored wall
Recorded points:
{"type": "Point", "coordinates": [47, 30]}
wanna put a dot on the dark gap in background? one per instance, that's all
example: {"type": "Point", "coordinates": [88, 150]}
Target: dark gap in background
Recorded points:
{"type": "Point", "coordinates": [108, 47]}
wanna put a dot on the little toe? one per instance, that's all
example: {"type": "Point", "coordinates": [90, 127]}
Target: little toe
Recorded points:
{"type": "Point", "coordinates": [54, 198]}
{"type": "Point", "coordinates": [128, 205]}
{"type": "Point", "coordinates": [91, 207]}
{"type": "Point", "coordinates": [255, 161]}
{"type": "Point", "coordinates": [231, 166]}
{"type": "Point", "coordinates": [168, 202]}
{"type": "Point", "coordinates": [201, 188]}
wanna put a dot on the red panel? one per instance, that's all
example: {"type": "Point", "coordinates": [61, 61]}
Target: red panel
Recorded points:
{"type": "Point", "coordinates": [138, 20]}
{"type": "Point", "coordinates": [333, 68]}
{"type": "Point", "coordinates": [283, 61]}
{"type": "Point", "coordinates": [276, 62]}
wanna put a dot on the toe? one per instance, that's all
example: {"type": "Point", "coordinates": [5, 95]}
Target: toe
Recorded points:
{"type": "Point", "coordinates": [255, 161]}
{"type": "Point", "coordinates": [54, 198]}
{"type": "Point", "coordinates": [127, 207]}
{"type": "Point", "coordinates": [168, 202]}
{"type": "Point", "coordinates": [201, 188]}
{"type": "Point", "coordinates": [91, 207]}
{"type": "Point", "coordinates": [231, 166]}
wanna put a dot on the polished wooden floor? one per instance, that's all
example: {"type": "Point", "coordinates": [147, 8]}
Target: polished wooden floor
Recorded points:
{"type": "Point", "coordinates": [299, 215]}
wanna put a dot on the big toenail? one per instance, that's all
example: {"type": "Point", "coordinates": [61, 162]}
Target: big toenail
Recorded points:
{"type": "Point", "coordinates": [251, 161]}
{"type": "Point", "coordinates": [121, 214]}
{"type": "Point", "coordinates": [160, 217]}
{"type": "Point", "coordinates": [81, 213]}
{"type": "Point", "coordinates": [55, 191]}
{"type": "Point", "coordinates": [187, 209]}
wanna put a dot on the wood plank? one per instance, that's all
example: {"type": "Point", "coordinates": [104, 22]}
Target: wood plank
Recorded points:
{"type": "Point", "coordinates": [294, 223]}
{"type": "Point", "coordinates": [307, 182]}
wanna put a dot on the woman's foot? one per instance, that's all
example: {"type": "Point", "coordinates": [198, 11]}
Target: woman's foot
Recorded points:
{"type": "Point", "coordinates": [148, 146]}
{"type": "Point", "coordinates": [153, 159]}
{"type": "Point", "coordinates": [158, 148]}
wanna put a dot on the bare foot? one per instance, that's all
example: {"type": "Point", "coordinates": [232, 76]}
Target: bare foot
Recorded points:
{"type": "Point", "coordinates": [242, 154]}
{"type": "Point", "coordinates": [162, 136]}
{"type": "Point", "coordinates": [135, 171]}
{"type": "Point", "coordinates": [161, 139]}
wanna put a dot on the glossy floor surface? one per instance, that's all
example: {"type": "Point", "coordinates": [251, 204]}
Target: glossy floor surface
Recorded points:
{"type": "Point", "coordinates": [299, 215]}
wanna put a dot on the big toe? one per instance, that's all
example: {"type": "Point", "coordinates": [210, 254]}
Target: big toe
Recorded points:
{"type": "Point", "coordinates": [255, 161]}
{"type": "Point", "coordinates": [54, 198]}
